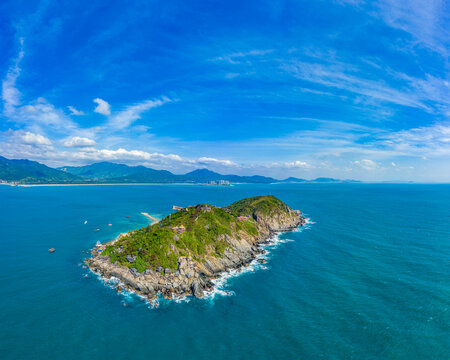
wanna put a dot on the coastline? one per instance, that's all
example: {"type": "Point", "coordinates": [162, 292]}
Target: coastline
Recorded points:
{"type": "Point", "coordinates": [193, 277]}
{"type": "Point", "coordinates": [218, 282]}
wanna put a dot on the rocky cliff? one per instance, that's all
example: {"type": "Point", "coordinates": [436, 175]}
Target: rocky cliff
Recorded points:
{"type": "Point", "coordinates": [182, 254]}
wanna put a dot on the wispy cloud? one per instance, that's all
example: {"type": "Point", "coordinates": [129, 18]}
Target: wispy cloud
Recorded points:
{"type": "Point", "coordinates": [426, 21]}
{"type": "Point", "coordinates": [130, 114]}
{"type": "Point", "coordinates": [237, 57]}
{"type": "Point", "coordinates": [348, 78]}
{"type": "Point", "coordinates": [75, 112]}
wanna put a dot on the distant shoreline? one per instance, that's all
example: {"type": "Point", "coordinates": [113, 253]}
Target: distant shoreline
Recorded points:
{"type": "Point", "coordinates": [109, 184]}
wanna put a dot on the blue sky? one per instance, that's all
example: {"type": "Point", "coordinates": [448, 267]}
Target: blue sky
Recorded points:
{"type": "Point", "coordinates": [347, 89]}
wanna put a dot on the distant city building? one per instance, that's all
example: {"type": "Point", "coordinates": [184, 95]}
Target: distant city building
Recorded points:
{"type": "Point", "coordinates": [219, 182]}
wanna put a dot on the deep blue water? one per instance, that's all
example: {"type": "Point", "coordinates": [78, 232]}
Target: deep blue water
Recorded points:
{"type": "Point", "coordinates": [369, 279]}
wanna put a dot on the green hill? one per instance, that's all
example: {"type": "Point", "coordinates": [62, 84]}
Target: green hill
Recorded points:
{"type": "Point", "coordinates": [32, 172]}
{"type": "Point", "coordinates": [204, 232]}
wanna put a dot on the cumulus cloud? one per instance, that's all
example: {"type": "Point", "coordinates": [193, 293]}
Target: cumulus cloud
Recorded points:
{"type": "Point", "coordinates": [77, 141]}
{"type": "Point", "coordinates": [29, 138]}
{"type": "Point", "coordinates": [125, 118]}
{"type": "Point", "coordinates": [74, 111]}
{"type": "Point", "coordinates": [102, 107]}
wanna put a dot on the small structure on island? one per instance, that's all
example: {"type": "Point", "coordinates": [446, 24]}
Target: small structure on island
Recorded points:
{"type": "Point", "coordinates": [205, 208]}
{"type": "Point", "coordinates": [52, 250]}
{"type": "Point", "coordinates": [131, 259]}
{"type": "Point", "coordinates": [98, 243]}
{"type": "Point", "coordinates": [179, 229]}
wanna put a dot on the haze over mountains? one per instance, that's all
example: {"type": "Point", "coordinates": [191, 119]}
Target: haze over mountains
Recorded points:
{"type": "Point", "coordinates": [32, 172]}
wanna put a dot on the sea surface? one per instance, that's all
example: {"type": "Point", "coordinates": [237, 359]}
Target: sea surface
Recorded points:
{"type": "Point", "coordinates": [367, 278]}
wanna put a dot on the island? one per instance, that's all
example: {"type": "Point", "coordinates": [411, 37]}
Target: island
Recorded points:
{"type": "Point", "coordinates": [181, 254]}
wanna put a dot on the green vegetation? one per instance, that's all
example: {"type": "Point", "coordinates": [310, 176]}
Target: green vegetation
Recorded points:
{"type": "Point", "coordinates": [266, 205]}
{"type": "Point", "coordinates": [205, 230]}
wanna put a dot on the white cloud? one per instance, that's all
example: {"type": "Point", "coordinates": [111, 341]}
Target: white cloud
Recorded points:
{"type": "Point", "coordinates": [74, 111]}
{"type": "Point", "coordinates": [102, 107]}
{"type": "Point", "coordinates": [298, 164]}
{"type": "Point", "coordinates": [209, 160]}
{"type": "Point", "coordinates": [79, 142]}
{"type": "Point", "coordinates": [125, 118]}
{"type": "Point", "coordinates": [123, 154]}
{"type": "Point", "coordinates": [366, 164]}
{"type": "Point", "coordinates": [41, 112]}
{"type": "Point", "coordinates": [424, 142]}
{"type": "Point", "coordinates": [426, 21]}
{"type": "Point", "coordinates": [347, 77]}
{"type": "Point", "coordinates": [29, 138]}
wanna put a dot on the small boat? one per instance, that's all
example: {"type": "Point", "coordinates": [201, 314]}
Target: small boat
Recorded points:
{"type": "Point", "coordinates": [96, 229]}
{"type": "Point", "coordinates": [98, 243]}
{"type": "Point", "coordinates": [85, 222]}
{"type": "Point", "coordinates": [109, 224]}
{"type": "Point", "coordinates": [127, 216]}
{"type": "Point", "coordinates": [52, 250]}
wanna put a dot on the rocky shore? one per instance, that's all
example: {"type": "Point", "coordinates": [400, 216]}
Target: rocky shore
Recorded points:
{"type": "Point", "coordinates": [193, 274]}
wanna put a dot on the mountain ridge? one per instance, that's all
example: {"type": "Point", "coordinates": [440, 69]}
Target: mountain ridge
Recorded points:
{"type": "Point", "coordinates": [32, 172]}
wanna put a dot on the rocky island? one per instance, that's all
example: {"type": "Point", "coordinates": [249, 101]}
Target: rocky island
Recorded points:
{"type": "Point", "coordinates": [185, 251]}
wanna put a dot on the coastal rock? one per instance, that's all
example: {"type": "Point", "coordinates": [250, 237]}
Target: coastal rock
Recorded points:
{"type": "Point", "coordinates": [197, 289]}
{"type": "Point", "coordinates": [134, 272]}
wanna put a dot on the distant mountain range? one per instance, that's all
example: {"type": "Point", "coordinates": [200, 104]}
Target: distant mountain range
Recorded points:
{"type": "Point", "coordinates": [32, 172]}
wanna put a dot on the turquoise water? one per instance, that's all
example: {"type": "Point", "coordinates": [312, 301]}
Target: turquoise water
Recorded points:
{"type": "Point", "coordinates": [369, 278]}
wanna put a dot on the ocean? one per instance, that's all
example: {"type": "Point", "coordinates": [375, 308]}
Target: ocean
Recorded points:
{"type": "Point", "coordinates": [367, 278]}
